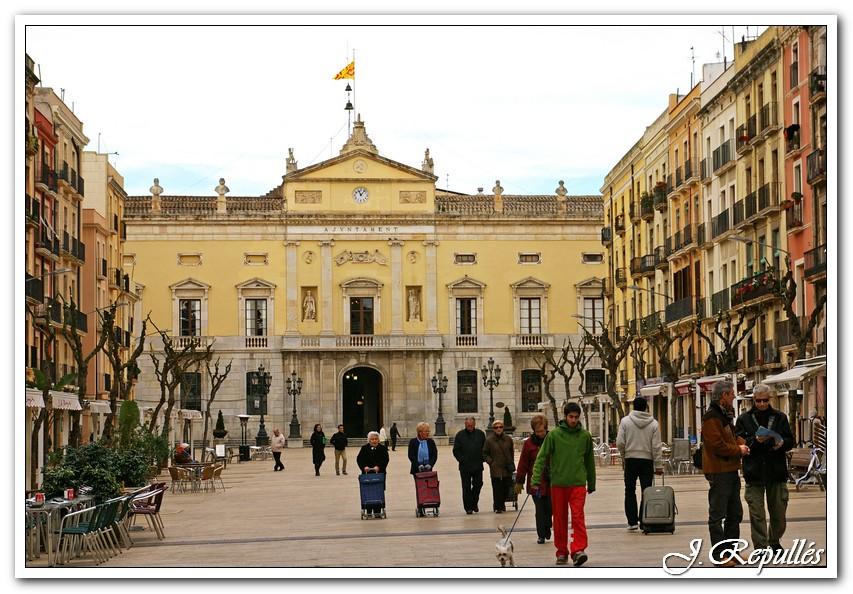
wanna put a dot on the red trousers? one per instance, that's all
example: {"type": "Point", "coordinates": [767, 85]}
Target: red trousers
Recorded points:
{"type": "Point", "coordinates": [562, 498]}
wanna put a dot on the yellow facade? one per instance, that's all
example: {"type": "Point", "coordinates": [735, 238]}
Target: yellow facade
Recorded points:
{"type": "Point", "coordinates": [404, 279]}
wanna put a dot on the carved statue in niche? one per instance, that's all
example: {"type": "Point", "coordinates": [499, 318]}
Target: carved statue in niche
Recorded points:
{"type": "Point", "coordinates": [414, 305]}
{"type": "Point", "coordinates": [413, 257]}
{"type": "Point", "coordinates": [309, 307]}
{"type": "Point", "coordinates": [308, 257]}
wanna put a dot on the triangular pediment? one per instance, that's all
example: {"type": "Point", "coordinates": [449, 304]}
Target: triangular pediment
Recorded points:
{"type": "Point", "coordinates": [189, 283]}
{"type": "Point", "coordinates": [359, 164]}
{"type": "Point", "coordinates": [466, 282]}
{"type": "Point", "coordinates": [361, 282]}
{"type": "Point", "coordinates": [255, 283]}
{"type": "Point", "coordinates": [592, 282]}
{"type": "Point", "coordinates": [531, 283]}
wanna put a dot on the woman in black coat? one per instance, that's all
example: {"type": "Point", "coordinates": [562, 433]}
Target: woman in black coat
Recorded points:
{"type": "Point", "coordinates": [415, 446]}
{"type": "Point", "coordinates": [373, 457]}
{"type": "Point", "coordinates": [318, 443]}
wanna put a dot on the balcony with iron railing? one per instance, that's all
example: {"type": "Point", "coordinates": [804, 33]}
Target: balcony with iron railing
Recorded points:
{"type": "Point", "coordinates": [114, 278]}
{"type": "Point", "coordinates": [761, 353]}
{"type": "Point", "coordinates": [737, 214]}
{"type": "Point", "coordinates": [704, 173]}
{"type": "Point", "coordinates": [817, 84]}
{"type": "Point", "coordinates": [662, 188]}
{"type": "Point", "coordinates": [676, 241]}
{"type": "Point", "coordinates": [691, 171]}
{"type": "Point", "coordinates": [66, 242]}
{"type": "Point", "coordinates": [619, 224]}
{"type": "Point", "coordinates": [680, 309]}
{"type": "Point", "coordinates": [606, 236]}
{"type": "Point", "coordinates": [794, 216]}
{"type": "Point", "coordinates": [750, 205]}
{"type": "Point", "coordinates": [650, 323]}
{"type": "Point", "coordinates": [64, 173]}
{"type": "Point", "coordinates": [815, 262]}
{"type": "Point", "coordinates": [742, 139]}
{"type": "Point", "coordinates": [769, 118]}
{"type": "Point", "coordinates": [660, 258]}
{"type": "Point", "coordinates": [687, 236]}
{"type": "Point", "coordinates": [103, 270]}
{"type": "Point", "coordinates": [607, 284]}
{"type": "Point", "coordinates": [620, 278]}
{"type": "Point", "coordinates": [634, 211]}
{"type": "Point", "coordinates": [769, 198]}
{"type": "Point", "coordinates": [720, 224]}
{"type": "Point", "coordinates": [643, 265]}
{"type": "Point", "coordinates": [660, 203]}
{"type": "Point", "coordinates": [816, 166]}
{"type": "Point", "coordinates": [632, 327]}
{"type": "Point", "coordinates": [722, 157]}
{"type": "Point", "coordinates": [33, 213]}
{"type": "Point", "coordinates": [620, 333]}
{"type": "Point", "coordinates": [623, 377]}
{"type": "Point", "coordinates": [752, 288]}
{"type": "Point", "coordinates": [720, 301]}
{"type": "Point", "coordinates": [647, 207]}
{"type": "Point", "coordinates": [78, 250]}
{"type": "Point", "coordinates": [701, 307]}
{"type": "Point", "coordinates": [125, 283]}
{"type": "Point", "coordinates": [784, 331]}
{"type": "Point", "coordinates": [701, 236]}
{"type": "Point", "coordinates": [34, 288]}
{"type": "Point", "coordinates": [679, 177]}
{"type": "Point", "coordinates": [47, 178]}
{"type": "Point", "coordinates": [794, 73]}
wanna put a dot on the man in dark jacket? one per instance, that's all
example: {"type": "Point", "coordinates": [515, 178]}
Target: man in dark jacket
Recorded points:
{"type": "Point", "coordinates": [765, 469]}
{"type": "Point", "coordinates": [721, 455]}
{"type": "Point", "coordinates": [339, 442]}
{"type": "Point", "coordinates": [499, 455]}
{"type": "Point", "coordinates": [395, 435]}
{"type": "Point", "coordinates": [468, 451]}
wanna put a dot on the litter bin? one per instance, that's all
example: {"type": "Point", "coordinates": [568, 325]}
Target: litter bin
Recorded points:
{"type": "Point", "coordinates": [245, 456]}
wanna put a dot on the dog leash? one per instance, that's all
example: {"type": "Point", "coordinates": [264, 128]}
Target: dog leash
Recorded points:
{"type": "Point", "coordinates": [521, 509]}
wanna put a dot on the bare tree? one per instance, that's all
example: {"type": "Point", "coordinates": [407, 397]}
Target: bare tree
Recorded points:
{"type": "Point", "coordinates": [548, 366]}
{"type": "Point", "coordinates": [81, 360]}
{"type": "Point", "coordinates": [801, 329]}
{"type": "Point", "coordinates": [611, 353]}
{"type": "Point", "coordinates": [662, 342]}
{"type": "Point", "coordinates": [732, 330]}
{"type": "Point", "coordinates": [216, 379]}
{"type": "Point", "coordinates": [170, 372]}
{"type": "Point", "coordinates": [123, 372]}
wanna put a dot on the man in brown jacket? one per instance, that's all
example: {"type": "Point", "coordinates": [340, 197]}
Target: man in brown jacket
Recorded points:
{"type": "Point", "coordinates": [500, 456]}
{"type": "Point", "coordinates": [721, 456]}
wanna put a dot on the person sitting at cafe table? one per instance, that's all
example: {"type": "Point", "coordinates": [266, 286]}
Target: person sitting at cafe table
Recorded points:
{"type": "Point", "coordinates": [182, 454]}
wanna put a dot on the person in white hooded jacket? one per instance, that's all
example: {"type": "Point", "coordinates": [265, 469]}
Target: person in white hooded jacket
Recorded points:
{"type": "Point", "coordinates": [638, 442]}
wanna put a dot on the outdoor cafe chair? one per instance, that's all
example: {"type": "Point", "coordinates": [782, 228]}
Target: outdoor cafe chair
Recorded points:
{"type": "Point", "coordinates": [217, 475]}
{"type": "Point", "coordinates": [207, 478]}
{"type": "Point", "coordinates": [148, 505]}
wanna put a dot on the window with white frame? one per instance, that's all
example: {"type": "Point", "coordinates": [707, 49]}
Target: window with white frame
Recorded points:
{"type": "Point", "coordinates": [256, 317]}
{"type": "Point", "coordinates": [593, 314]}
{"type": "Point", "coordinates": [190, 316]}
{"type": "Point", "coordinates": [466, 316]}
{"type": "Point", "coordinates": [530, 323]}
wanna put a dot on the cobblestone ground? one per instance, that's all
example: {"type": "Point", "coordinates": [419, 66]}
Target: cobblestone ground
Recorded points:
{"type": "Point", "coordinates": [294, 519]}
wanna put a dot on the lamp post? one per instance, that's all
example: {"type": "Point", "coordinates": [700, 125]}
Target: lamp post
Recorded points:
{"type": "Point", "coordinates": [261, 382]}
{"type": "Point", "coordinates": [439, 386]}
{"type": "Point", "coordinates": [491, 379]}
{"type": "Point", "coordinates": [244, 449]}
{"type": "Point", "coordinates": [294, 389]}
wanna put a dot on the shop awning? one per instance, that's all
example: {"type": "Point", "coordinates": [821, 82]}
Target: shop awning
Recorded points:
{"type": "Point", "coordinates": [795, 375]}
{"type": "Point", "coordinates": [684, 388]}
{"type": "Point", "coordinates": [706, 384]}
{"type": "Point", "coordinates": [186, 413]}
{"type": "Point", "coordinates": [98, 406]}
{"type": "Point", "coordinates": [34, 399]}
{"type": "Point", "coordinates": [63, 401]}
{"type": "Point", "coordinates": [655, 390]}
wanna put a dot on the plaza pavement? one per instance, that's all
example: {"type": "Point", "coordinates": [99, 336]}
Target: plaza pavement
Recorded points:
{"type": "Point", "coordinates": [294, 519]}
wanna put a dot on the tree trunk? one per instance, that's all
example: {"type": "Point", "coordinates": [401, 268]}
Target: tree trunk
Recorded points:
{"type": "Point", "coordinates": [34, 448]}
{"type": "Point", "coordinates": [204, 435]}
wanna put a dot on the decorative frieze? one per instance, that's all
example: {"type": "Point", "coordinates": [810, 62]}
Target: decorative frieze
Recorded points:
{"type": "Point", "coordinates": [412, 197]}
{"type": "Point", "coordinates": [308, 196]}
{"type": "Point", "coordinates": [365, 257]}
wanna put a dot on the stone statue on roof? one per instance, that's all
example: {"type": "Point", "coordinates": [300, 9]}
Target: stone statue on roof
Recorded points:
{"type": "Point", "coordinates": [221, 189]}
{"type": "Point", "coordinates": [156, 189]}
{"type": "Point", "coordinates": [428, 166]}
{"type": "Point", "coordinates": [561, 190]}
{"type": "Point", "coordinates": [291, 161]}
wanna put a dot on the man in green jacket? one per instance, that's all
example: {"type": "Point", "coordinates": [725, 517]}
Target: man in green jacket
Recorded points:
{"type": "Point", "coordinates": [567, 453]}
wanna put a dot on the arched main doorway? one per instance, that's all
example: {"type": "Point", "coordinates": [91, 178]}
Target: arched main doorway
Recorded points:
{"type": "Point", "coordinates": [362, 401]}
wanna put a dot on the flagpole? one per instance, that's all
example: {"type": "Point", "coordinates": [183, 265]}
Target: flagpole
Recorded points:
{"type": "Point", "coordinates": [353, 80]}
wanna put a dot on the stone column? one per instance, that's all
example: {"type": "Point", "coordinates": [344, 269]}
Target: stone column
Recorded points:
{"type": "Point", "coordinates": [431, 293]}
{"type": "Point", "coordinates": [292, 306]}
{"type": "Point", "coordinates": [397, 301]}
{"type": "Point", "coordinates": [326, 289]}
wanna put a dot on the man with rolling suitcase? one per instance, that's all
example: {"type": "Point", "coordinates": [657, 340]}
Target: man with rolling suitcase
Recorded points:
{"type": "Point", "coordinates": [638, 442]}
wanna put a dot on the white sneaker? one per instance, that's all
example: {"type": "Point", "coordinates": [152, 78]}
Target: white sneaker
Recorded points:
{"type": "Point", "coordinates": [633, 527]}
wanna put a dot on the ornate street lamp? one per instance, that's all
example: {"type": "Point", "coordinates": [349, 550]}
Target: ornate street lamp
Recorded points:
{"type": "Point", "coordinates": [261, 382]}
{"type": "Point", "coordinates": [491, 379]}
{"type": "Point", "coordinates": [439, 386]}
{"type": "Point", "coordinates": [294, 389]}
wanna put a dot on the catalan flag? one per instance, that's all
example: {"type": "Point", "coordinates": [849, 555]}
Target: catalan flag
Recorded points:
{"type": "Point", "coordinates": [347, 72]}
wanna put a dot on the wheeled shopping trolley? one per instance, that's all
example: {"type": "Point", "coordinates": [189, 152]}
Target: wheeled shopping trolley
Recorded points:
{"type": "Point", "coordinates": [371, 487]}
{"type": "Point", "coordinates": [426, 491]}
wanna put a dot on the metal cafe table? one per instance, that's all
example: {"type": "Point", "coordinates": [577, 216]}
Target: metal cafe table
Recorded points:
{"type": "Point", "coordinates": [196, 469]}
{"type": "Point", "coordinates": [46, 519]}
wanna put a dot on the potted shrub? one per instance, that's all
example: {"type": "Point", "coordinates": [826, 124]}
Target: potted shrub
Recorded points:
{"type": "Point", "coordinates": [508, 426]}
{"type": "Point", "coordinates": [219, 432]}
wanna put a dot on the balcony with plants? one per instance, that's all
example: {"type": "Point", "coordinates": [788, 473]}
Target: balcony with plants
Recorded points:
{"type": "Point", "coordinates": [754, 287]}
{"type": "Point", "coordinates": [647, 207]}
{"type": "Point", "coordinates": [817, 84]}
{"type": "Point", "coordinates": [793, 212]}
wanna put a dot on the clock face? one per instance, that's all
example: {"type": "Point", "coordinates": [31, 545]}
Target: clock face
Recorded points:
{"type": "Point", "coordinates": [360, 195]}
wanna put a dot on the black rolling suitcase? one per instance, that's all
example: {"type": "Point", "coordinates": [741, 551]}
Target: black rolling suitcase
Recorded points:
{"type": "Point", "coordinates": [658, 509]}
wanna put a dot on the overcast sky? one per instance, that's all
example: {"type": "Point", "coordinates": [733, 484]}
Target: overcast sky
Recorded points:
{"type": "Point", "coordinates": [526, 105]}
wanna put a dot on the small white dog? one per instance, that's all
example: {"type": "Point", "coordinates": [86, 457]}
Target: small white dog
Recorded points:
{"type": "Point", "coordinates": [504, 549]}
